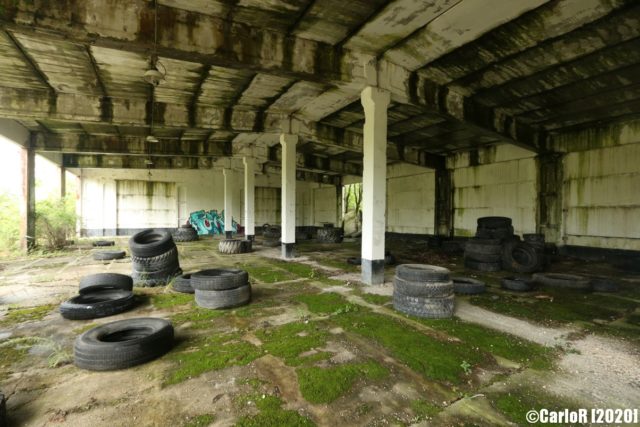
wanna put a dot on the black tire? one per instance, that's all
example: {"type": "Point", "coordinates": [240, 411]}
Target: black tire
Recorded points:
{"type": "Point", "coordinates": [156, 263]}
{"type": "Point", "coordinates": [563, 281]}
{"type": "Point", "coordinates": [354, 260]}
{"type": "Point", "coordinates": [467, 286]}
{"type": "Point", "coordinates": [155, 278]}
{"type": "Point", "coordinates": [105, 281]}
{"type": "Point", "coordinates": [494, 222]}
{"type": "Point", "coordinates": [3, 411]}
{"type": "Point", "coordinates": [422, 273]}
{"type": "Point", "coordinates": [329, 235]}
{"type": "Point", "coordinates": [150, 243]}
{"type": "Point", "coordinates": [108, 255]}
{"type": "Point", "coordinates": [272, 232]}
{"type": "Point", "coordinates": [101, 243]}
{"type": "Point", "coordinates": [521, 257]}
{"type": "Point", "coordinates": [271, 243]}
{"type": "Point", "coordinates": [484, 250]}
{"type": "Point", "coordinates": [182, 284]}
{"type": "Point", "coordinates": [482, 266]}
{"type": "Point", "coordinates": [428, 308]}
{"type": "Point", "coordinates": [422, 289]}
{"type": "Point", "coordinates": [223, 299]}
{"type": "Point", "coordinates": [247, 246]}
{"type": "Point", "coordinates": [186, 226]}
{"type": "Point", "coordinates": [517, 284]}
{"type": "Point", "coordinates": [185, 234]}
{"type": "Point", "coordinates": [97, 304]}
{"type": "Point", "coordinates": [533, 237]}
{"type": "Point", "coordinates": [122, 344]}
{"type": "Point", "coordinates": [602, 284]}
{"type": "Point", "coordinates": [218, 279]}
{"type": "Point", "coordinates": [389, 259]}
{"type": "Point", "coordinates": [230, 246]}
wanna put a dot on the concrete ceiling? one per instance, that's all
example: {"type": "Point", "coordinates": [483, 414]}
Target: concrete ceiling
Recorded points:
{"type": "Point", "coordinates": [462, 74]}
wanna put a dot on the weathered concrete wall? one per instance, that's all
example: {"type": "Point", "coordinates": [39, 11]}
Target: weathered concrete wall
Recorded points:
{"type": "Point", "coordinates": [602, 197]}
{"type": "Point", "coordinates": [496, 180]}
{"type": "Point", "coordinates": [410, 199]}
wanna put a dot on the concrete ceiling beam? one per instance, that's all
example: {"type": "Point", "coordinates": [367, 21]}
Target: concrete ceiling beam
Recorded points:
{"type": "Point", "coordinates": [88, 161]}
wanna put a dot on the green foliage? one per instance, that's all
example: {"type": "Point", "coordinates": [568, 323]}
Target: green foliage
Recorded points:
{"type": "Point", "coordinates": [199, 318]}
{"type": "Point", "coordinates": [167, 300]}
{"type": "Point", "coordinates": [30, 314]}
{"type": "Point", "coordinates": [516, 403]}
{"type": "Point", "coordinates": [9, 224]}
{"type": "Point", "coordinates": [15, 349]}
{"type": "Point", "coordinates": [290, 340]}
{"type": "Point", "coordinates": [324, 303]}
{"type": "Point", "coordinates": [376, 299]}
{"type": "Point", "coordinates": [55, 221]}
{"type": "Point", "coordinates": [324, 385]}
{"type": "Point", "coordinates": [272, 415]}
{"type": "Point", "coordinates": [424, 410]}
{"type": "Point", "coordinates": [200, 421]}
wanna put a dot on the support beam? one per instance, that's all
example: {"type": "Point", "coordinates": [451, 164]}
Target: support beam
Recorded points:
{"type": "Point", "coordinates": [550, 207]}
{"type": "Point", "coordinates": [135, 162]}
{"type": "Point", "coordinates": [374, 184]}
{"type": "Point", "coordinates": [63, 182]}
{"type": "Point", "coordinates": [288, 142]}
{"type": "Point", "coordinates": [444, 203]}
{"type": "Point", "coordinates": [228, 201]}
{"type": "Point", "coordinates": [28, 199]}
{"type": "Point", "coordinates": [249, 197]}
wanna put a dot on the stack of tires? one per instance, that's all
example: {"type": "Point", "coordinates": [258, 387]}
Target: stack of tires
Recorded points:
{"type": "Point", "coordinates": [185, 233]}
{"type": "Point", "coordinates": [483, 254]}
{"type": "Point", "coordinates": [521, 257]}
{"type": "Point", "coordinates": [154, 257]}
{"type": "Point", "coordinates": [423, 291]}
{"type": "Point", "coordinates": [494, 227]}
{"type": "Point", "coordinates": [100, 295]}
{"type": "Point", "coordinates": [271, 235]}
{"type": "Point", "coordinates": [221, 288]}
{"type": "Point", "coordinates": [235, 246]}
{"type": "Point", "coordinates": [329, 235]}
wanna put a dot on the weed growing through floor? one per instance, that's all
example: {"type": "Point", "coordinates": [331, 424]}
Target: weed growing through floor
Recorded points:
{"type": "Point", "coordinates": [30, 314]}
{"type": "Point", "coordinates": [17, 348]}
{"type": "Point", "coordinates": [200, 421]}
{"type": "Point", "coordinates": [290, 340]}
{"type": "Point", "coordinates": [375, 299]}
{"type": "Point", "coordinates": [199, 318]}
{"type": "Point", "coordinates": [170, 299]}
{"type": "Point", "coordinates": [324, 385]}
{"type": "Point", "coordinates": [324, 303]}
{"type": "Point", "coordinates": [271, 414]}
{"type": "Point", "coordinates": [267, 274]}
{"type": "Point", "coordinates": [424, 410]}
{"type": "Point", "coordinates": [299, 269]}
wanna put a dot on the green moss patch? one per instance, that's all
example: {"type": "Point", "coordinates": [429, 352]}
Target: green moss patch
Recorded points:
{"type": "Point", "coordinates": [375, 299]}
{"type": "Point", "coordinates": [272, 415]}
{"type": "Point", "coordinates": [167, 300]}
{"type": "Point", "coordinates": [267, 274]}
{"type": "Point", "coordinates": [516, 403]}
{"type": "Point", "coordinates": [200, 421]}
{"type": "Point", "coordinates": [324, 303]}
{"type": "Point", "coordinates": [200, 318]}
{"type": "Point", "coordinates": [292, 339]}
{"type": "Point", "coordinates": [10, 354]}
{"type": "Point", "coordinates": [324, 385]}
{"type": "Point", "coordinates": [424, 410]}
{"type": "Point", "coordinates": [300, 270]}
{"type": "Point", "coordinates": [21, 315]}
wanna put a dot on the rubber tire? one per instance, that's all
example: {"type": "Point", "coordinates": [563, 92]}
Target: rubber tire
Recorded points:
{"type": "Point", "coordinates": [92, 352]}
{"type": "Point", "coordinates": [182, 284]}
{"type": "Point", "coordinates": [510, 263]}
{"type": "Point", "coordinates": [562, 281]}
{"type": "Point", "coordinates": [150, 243]}
{"type": "Point", "coordinates": [329, 235]}
{"type": "Point", "coordinates": [533, 238]}
{"type": "Point", "coordinates": [97, 304]}
{"type": "Point", "coordinates": [219, 279]}
{"type": "Point", "coordinates": [108, 255]}
{"type": "Point", "coordinates": [494, 222]}
{"type": "Point", "coordinates": [101, 243]}
{"type": "Point", "coordinates": [422, 289]}
{"type": "Point", "coordinates": [156, 263]}
{"type": "Point", "coordinates": [223, 299]}
{"type": "Point", "coordinates": [155, 278]}
{"type": "Point", "coordinates": [482, 266]}
{"type": "Point", "coordinates": [467, 286]}
{"type": "Point", "coordinates": [602, 284]}
{"type": "Point", "coordinates": [247, 246]}
{"type": "Point", "coordinates": [105, 281]}
{"type": "Point", "coordinates": [185, 235]}
{"type": "Point", "coordinates": [231, 246]}
{"type": "Point", "coordinates": [271, 243]}
{"type": "Point", "coordinates": [422, 273]}
{"type": "Point", "coordinates": [484, 250]}
{"type": "Point", "coordinates": [354, 260]}
{"type": "Point", "coordinates": [516, 284]}
{"type": "Point", "coordinates": [428, 308]}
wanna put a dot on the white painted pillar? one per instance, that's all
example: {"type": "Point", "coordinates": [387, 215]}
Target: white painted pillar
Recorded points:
{"type": "Point", "coordinates": [374, 183]}
{"type": "Point", "coordinates": [228, 202]}
{"type": "Point", "coordinates": [288, 142]}
{"type": "Point", "coordinates": [249, 197]}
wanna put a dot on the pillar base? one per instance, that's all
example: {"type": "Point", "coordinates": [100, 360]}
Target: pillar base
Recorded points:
{"type": "Point", "coordinates": [288, 250]}
{"type": "Point", "coordinates": [228, 234]}
{"type": "Point", "coordinates": [250, 237]}
{"type": "Point", "coordinates": [373, 271]}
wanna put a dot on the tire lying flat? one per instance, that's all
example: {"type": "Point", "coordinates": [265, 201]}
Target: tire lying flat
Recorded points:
{"type": "Point", "coordinates": [105, 281]}
{"type": "Point", "coordinates": [228, 298]}
{"type": "Point", "coordinates": [150, 243]}
{"type": "Point", "coordinates": [467, 286]}
{"type": "Point", "coordinates": [108, 255]}
{"type": "Point", "coordinates": [517, 284]}
{"type": "Point", "coordinates": [122, 344]}
{"type": "Point", "coordinates": [428, 308]}
{"type": "Point", "coordinates": [182, 284]}
{"type": "Point", "coordinates": [218, 279]}
{"type": "Point", "coordinates": [422, 273]}
{"type": "Point", "coordinates": [101, 243]}
{"type": "Point", "coordinates": [97, 304]}
{"type": "Point", "coordinates": [422, 289]}
{"type": "Point", "coordinates": [564, 281]}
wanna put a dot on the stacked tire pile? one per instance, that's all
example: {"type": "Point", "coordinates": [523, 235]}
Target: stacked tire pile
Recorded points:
{"type": "Point", "coordinates": [423, 290]}
{"type": "Point", "coordinates": [185, 233]}
{"type": "Point", "coordinates": [219, 288]}
{"type": "Point", "coordinates": [329, 234]}
{"type": "Point", "coordinates": [235, 246]}
{"type": "Point", "coordinates": [271, 235]}
{"type": "Point", "coordinates": [100, 295]}
{"type": "Point", "coordinates": [154, 257]}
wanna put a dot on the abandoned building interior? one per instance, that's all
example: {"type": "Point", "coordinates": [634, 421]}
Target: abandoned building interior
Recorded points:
{"type": "Point", "coordinates": [324, 212]}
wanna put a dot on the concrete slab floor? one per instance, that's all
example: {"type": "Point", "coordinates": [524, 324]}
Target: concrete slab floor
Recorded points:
{"type": "Point", "coordinates": [317, 347]}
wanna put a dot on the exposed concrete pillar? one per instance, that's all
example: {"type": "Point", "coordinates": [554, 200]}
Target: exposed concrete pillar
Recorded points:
{"type": "Point", "coordinates": [288, 142]}
{"type": "Point", "coordinates": [228, 202]}
{"type": "Point", "coordinates": [444, 203]}
{"type": "Point", "coordinates": [28, 199]}
{"type": "Point", "coordinates": [63, 181]}
{"type": "Point", "coordinates": [374, 183]}
{"type": "Point", "coordinates": [550, 200]}
{"type": "Point", "coordinates": [249, 197]}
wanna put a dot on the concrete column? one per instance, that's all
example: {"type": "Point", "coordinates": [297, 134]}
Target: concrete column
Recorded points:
{"type": "Point", "coordinates": [228, 202]}
{"type": "Point", "coordinates": [444, 203]}
{"type": "Point", "coordinates": [63, 181]}
{"type": "Point", "coordinates": [288, 142]}
{"type": "Point", "coordinates": [374, 183]}
{"type": "Point", "coordinates": [28, 199]}
{"type": "Point", "coordinates": [249, 197]}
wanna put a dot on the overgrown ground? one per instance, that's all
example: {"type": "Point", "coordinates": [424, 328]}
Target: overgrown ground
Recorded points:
{"type": "Point", "coordinates": [313, 348]}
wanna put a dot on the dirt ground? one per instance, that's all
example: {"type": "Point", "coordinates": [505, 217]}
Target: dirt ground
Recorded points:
{"type": "Point", "coordinates": [316, 347]}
